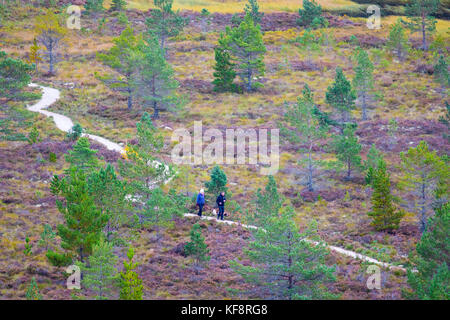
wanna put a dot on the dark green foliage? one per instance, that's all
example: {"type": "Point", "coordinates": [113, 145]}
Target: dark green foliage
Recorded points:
{"type": "Point", "coordinates": [432, 279]}
{"type": "Point", "coordinates": [75, 132]}
{"type": "Point", "coordinates": [93, 6]}
{"type": "Point", "coordinates": [267, 204]}
{"type": "Point", "coordinates": [33, 291]}
{"type": "Point", "coordinates": [252, 8]}
{"type": "Point", "coordinates": [397, 40]}
{"type": "Point", "coordinates": [58, 259]}
{"type": "Point", "coordinates": [246, 47]}
{"type": "Point", "coordinates": [109, 194]}
{"type": "Point", "coordinates": [197, 248]}
{"type": "Point", "coordinates": [441, 74]}
{"type": "Point", "coordinates": [217, 183]}
{"type": "Point", "coordinates": [118, 5]}
{"type": "Point", "coordinates": [82, 156]}
{"type": "Point", "coordinates": [121, 58]}
{"type": "Point", "coordinates": [47, 236]}
{"type": "Point", "coordinates": [83, 222]}
{"type": "Point", "coordinates": [52, 157]}
{"type": "Point", "coordinates": [373, 158]}
{"type": "Point", "coordinates": [421, 18]}
{"type": "Point", "coordinates": [164, 22]}
{"type": "Point", "coordinates": [385, 216]}
{"type": "Point", "coordinates": [224, 70]}
{"type": "Point", "coordinates": [363, 80]}
{"type": "Point", "coordinates": [131, 287]}
{"type": "Point", "coordinates": [15, 75]}
{"type": "Point", "coordinates": [341, 96]}
{"type": "Point", "coordinates": [311, 15]}
{"type": "Point", "coordinates": [28, 247]}
{"type": "Point", "coordinates": [154, 84]}
{"type": "Point", "coordinates": [347, 150]}
{"type": "Point", "coordinates": [284, 265]}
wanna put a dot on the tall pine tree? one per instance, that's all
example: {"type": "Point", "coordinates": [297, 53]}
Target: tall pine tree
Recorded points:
{"type": "Point", "coordinates": [341, 96]}
{"type": "Point", "coordinates": [421, 18]}
{"type": "Point", "coordinates": [363, 80]}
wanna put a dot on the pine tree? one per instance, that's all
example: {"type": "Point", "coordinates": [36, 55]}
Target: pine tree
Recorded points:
{"type": "Point", "coordinates": [75, 132]}
{"type": "Point", "coordinates": [154, 83]}
{"type": "Point", "coordinates": [15, 75]}
{"type": "Point", "coordinates": [441, 74]}
{"type": "Point", "coordinates": [224, 70]}
{"type": "Point", "coordinates": [385, 216]}
{"type": "Point", "coordinates": [252, 8]}
{"type": "Point", "coordinates": [284, 265]}
{"type": "Point", "coordinates": [145, 173]}
{"type": "Point", "coordinates": [51, 35]}
{"type": "Point", "coordinates": [83, 221]}
{"type": "Point", "coordinates": [100, 275]}
{"type": "Point", "coordinates": [120, 58]}
{"type": "Point", "coordinates": [421, 18]}
{"type": "Point", "coordinates": [307, 131]}
{"type": "Point", "coordinates": [371, 164]}
{"type": "Point", "coordinates": [363, 80]}
{"type": "Point", "coordinates": [246, 47]}
{"type": "Point", "coordinates": [197, 246]}
{"type": "Point", "coordinates": [217, 184]}
{"type": "Point", "coordinates": [432, 279]}
{"type": "Point", "coordinates": [164, 22]}
{"type": "Point", "coordinates": [28, 246]}
{"type": "Point", "coordinates": [34, 57]}
{"type": "Point", "coordinates": [131, 287]}
{"type": "Point", "coordinates": [311, 12]}
{"type": "Point", "coordinates": [426, 176]}
{"type": "Point", "coordinates": [82, 156]}
{"type": "Point", "coordinates": [347, 150]}
{"type": "Point", "coordinates": [341, 96]}
{"type": "Point", "coordinates": [109, 194]}
{"type": "Point", "coordinates": [93, 7]}
{"type": "Point", "coordinates": [33, 291]}
{"type": "Point", "coordinates": [118, 5]}
{"type": "Point", "coordinates": [397, 41]}
{"type": "Point", "coordinates": [267, 203]}
{"type": "Point", "coordinates": [47, 237]}
{"type": "Point", "coordinates": [33, 136]}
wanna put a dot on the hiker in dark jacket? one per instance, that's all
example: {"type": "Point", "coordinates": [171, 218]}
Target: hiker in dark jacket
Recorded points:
{"type": "Point", "coordinates": [221, 203]}
{"type": "Point", "coordinates": [200, 202]}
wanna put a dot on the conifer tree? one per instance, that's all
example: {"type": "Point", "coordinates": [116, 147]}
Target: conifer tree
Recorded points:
{"type": "Point", "coordinates": [100, 276]}
{"type": "Point", "coordinates": [284, 265]}
{"type": "Point", "coordinates": [347, 150]}
{"type": "Point", "coordinates": [307, 131]}
{"type": "Point", "coordinates": [118, 5]}
{"type": "Point", "coordinates": [33, 291]}
{"type": "Point", "coordinates": [441, 74]}
{"type": "Point", "coordinates": [155, 84]}
{"type": "Point", "coordinates": [75, 132]}
{"type": "Point", "coordinates": [432, 279]}
{"type": "Point", "coordinates": [311, 14]}
{"type": "Point", "coordinates": [131, 287]}
{"type": "Point", "coordinates": [47, 236]}
{"type": "Point", "coordinates": [51, 34]}
{"type": "Point", "coordinates": [421, 18]}
{"type": "Point", "coordinates": [109, 194]}
{"type": "Point", "coordinates": [217, 182]}
{"type": "Point", "coordinates": [385, 216]}
{"type": "Point", "coordinates": [15, 75]}
{"type": "Point", "coordinates": [83, 222]}
{"type": "Point", "coordinates": [120, 58]}
{"type": "Point", "coordinates": [252, 8]}
{"type": "Point", "coordinates": [224, 70]}
{"type": "Point", "coordinates": [93, 7]}
{"type": "Point", "coordinates": [363, 80]}
{"type": "Point", "coordinates": [246, 47]}
{"type": "Point", "coordinates": [82, 156]}
{"type": "Point", "coordinates": [425, 176]}
{"type": "Point", "coordinates": [267, 203]}
{"type": "Point", "coordinates": [165, 22]}
{"type": "Point", "coordinates": [197, 246]}
{"type": "Point", "coordinates": [341, 96]}
{"type": "Point", "coordinates": [371, 164]}
{"type": "Point", "coordinates": [397, 41]}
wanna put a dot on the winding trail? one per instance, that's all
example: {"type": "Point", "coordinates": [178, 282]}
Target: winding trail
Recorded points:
{"type": "Point", "coordinates": [51, 95]}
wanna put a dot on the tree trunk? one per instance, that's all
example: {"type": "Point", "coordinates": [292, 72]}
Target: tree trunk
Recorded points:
{"type": "Point", "coordinates": [424, 39]}
{"type": "Point", "coordinates": [364, 107]}
{"type": "Point", "coordinates": [310, 171]}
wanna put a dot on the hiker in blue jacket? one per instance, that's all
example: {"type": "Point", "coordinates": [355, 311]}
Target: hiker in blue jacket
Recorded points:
{"type": "Point", "coordinates": [221, 203]}
{"type": "Point", "coordinates": [200, 202]}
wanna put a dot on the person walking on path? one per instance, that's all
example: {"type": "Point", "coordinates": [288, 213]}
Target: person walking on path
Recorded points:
{"type": "Point", "coordinates": [221, 203]}
{"type": "Point", "coordinates": [200, 202]}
